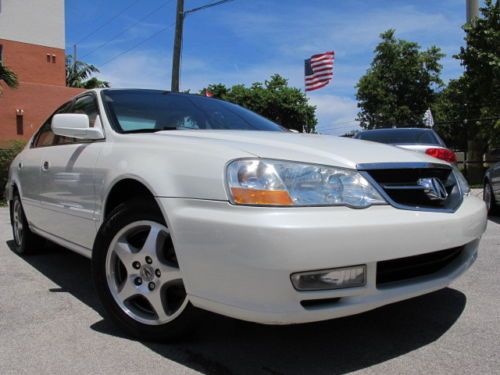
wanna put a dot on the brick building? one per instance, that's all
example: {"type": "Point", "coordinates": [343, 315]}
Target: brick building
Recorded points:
{"type": "Point", "coordinates": [32, 44]}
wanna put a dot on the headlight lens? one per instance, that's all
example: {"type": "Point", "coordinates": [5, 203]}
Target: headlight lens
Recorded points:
{"type": "Point", "coordinates": [462, 181]}
{"type": "Point", "coordinates": [282, 183]}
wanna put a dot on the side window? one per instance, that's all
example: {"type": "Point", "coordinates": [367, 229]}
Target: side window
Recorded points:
{"type": "Point", "coordinates": [87, 105]}
{"type": "Point", "coordinates": [46, 136]}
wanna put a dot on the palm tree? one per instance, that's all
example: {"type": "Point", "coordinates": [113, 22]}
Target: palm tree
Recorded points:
{"type": "Point", "coordinates": [8, 76]}
{"type": "Point", "coordinates": [79, 74]}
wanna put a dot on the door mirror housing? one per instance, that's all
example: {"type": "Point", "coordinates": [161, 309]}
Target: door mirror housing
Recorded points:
{"type": "Point", "coordinates": [75, 125]}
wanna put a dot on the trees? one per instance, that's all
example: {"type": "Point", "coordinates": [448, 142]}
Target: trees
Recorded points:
{"type": "Point", "coordinates": [8, 76]}
{"type": "Point", "coordinates": [274, 99]}
{"type": "Point", "coordinates": [472, 102]}
{"type": "Point", "coordinates": [450, 111]}
{"type": "Point", "coordinates": [79, 74]}
{"type": "Point", "coordinates": [400, 84]}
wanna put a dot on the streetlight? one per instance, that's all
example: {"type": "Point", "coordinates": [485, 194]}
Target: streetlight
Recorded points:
{"type": "Point", "coordinates": [179, 26]}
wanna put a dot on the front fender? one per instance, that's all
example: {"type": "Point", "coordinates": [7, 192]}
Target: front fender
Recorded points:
{"type": "Point", "coordinates": [11, 182]}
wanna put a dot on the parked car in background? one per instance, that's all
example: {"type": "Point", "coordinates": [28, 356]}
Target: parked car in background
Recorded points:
{"type": "Point", "coordinates": [185, 202]}
{"type": "Point", "coordinates": [416, 139]}
{"type": "Point", "coordinates": [491, 189]}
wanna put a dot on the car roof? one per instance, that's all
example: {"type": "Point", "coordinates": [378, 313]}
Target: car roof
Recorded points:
{"type": "Point", "coordinates": [384, 130]}
{"type": "Point", "coordinates": [144, 90]}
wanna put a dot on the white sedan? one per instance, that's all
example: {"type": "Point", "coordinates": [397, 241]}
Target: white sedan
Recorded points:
{"type": "Point", "coordinates": [185, 203]}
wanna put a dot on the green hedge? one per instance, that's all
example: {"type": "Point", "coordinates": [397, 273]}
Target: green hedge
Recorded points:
{"type": "Point", "coordinates": [6, 156]}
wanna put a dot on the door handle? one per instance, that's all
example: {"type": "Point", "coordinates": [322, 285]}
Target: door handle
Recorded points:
{"type": "Point", "coordinates": [20, 165]}
{"type": "Point", "coordinates": [45, 166]}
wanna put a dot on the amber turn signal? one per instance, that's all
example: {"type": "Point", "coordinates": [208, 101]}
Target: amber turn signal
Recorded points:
{"type": "Point", "coordinates": [261, 197]}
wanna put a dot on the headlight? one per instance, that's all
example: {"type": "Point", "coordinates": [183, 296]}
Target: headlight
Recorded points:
{"type": "Point", "coordinates": [462, 182]}
{"type": "Point", "coordinates": [281, 183]}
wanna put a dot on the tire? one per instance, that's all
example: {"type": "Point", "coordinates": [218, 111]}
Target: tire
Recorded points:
{"type": "Point", "coordinates": [137, 277]}
{"type": "Point", "coordinates": [489, 199]}
{"type": "Point", "coordinates": [25, 241]}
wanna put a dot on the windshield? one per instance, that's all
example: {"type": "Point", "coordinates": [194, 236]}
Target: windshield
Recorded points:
{"type": "Point", "coordinates": [402, 136]}
{"type": "Point", "coordinates": [137, 111]}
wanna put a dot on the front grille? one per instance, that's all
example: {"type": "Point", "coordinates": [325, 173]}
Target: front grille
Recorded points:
{"type": "Point", "coordinates": [415, 266]}
{"type": "Point", "coordinates": [401, 185]}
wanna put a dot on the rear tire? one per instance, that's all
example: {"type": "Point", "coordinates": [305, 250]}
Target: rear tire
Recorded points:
{"type": "Point", "coordinates": [25, 241]}
{"type": "Point", "coordinates": [136, 274]}
{"type": "Point", "coordinates": [489, 199]}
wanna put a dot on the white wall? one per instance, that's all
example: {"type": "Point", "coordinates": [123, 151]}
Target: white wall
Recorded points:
{"type": "Point", "coordinates": [33, 21]}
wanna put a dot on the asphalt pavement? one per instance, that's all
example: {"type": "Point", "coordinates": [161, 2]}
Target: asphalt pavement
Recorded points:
{"type": "Point", "coordinates": [51, 323]}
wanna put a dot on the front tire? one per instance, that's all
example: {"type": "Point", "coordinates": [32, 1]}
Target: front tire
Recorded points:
{"type": "Point", "coordinates": [137, 276]}
{"type": "Point", "coordinates": [489, 199]}
{"type": "Point", "coordinates": [25, 241]}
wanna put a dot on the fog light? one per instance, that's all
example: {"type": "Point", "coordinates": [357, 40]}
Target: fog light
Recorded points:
{"type": "Point", "coordinates": [336, 278]}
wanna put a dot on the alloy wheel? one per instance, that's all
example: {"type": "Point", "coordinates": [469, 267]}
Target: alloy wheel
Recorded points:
{"type": "Point", "coordinates": [143, 274]}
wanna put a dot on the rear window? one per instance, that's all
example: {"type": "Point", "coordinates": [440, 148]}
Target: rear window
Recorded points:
{"type": "Point", "coordinates": [402, 137]}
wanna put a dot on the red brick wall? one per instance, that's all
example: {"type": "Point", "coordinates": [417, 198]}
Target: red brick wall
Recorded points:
{"type": "Point", "coordinates": [37, 101]}
{"type": "Point", "coordinates": [33, 63]}
{"type": "Point", "coordinates": [42, 88]}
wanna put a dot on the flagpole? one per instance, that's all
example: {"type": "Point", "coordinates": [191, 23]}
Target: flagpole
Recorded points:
{"type": "Point", "coordinates": [307, 102]}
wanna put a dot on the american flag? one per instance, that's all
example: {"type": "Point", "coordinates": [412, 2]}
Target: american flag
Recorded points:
{"type": "Point", "coordinates": [319, 70]}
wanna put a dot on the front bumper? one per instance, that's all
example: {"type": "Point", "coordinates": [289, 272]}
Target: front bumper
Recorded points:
{"type": "Point", "coordinates": [237, 260]}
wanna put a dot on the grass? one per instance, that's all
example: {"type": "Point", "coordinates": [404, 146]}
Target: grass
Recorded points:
{"type": "Point", "coordinates": [3, 202]}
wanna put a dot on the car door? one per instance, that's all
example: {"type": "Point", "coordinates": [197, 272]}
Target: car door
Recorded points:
{"type": "Point", "coordinates": [68, 192]}
{"type": "Point", "coordinates": [29, 171]}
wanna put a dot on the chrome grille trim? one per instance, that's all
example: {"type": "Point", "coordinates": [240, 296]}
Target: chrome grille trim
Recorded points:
{"type": "Point", "coordinates": [383, 189]}
{"type": "Point", "coordinates": [412, 165]}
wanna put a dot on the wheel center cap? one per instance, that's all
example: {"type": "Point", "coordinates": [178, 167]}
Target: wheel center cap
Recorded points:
{"type": "Point", "coordinates": [147, 272]}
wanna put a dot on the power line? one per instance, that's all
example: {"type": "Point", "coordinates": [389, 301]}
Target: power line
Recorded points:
{"type": "Point", "coordinates": [136, 45]}
{"type": "Point", "coordinates": [206, 6]}
{"type": "Point", "coordinates": [127, 29]}
{"type": "Point", "coordinates": [107, 22]}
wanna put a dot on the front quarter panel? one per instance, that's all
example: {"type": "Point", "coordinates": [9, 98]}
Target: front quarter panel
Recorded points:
{"type": "Point", "coordinates": [13, 178]}
{"type": "Point", "coordinates": [176, 168]}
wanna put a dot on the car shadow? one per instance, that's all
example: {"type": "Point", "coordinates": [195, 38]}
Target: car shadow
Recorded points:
{"type": "Point", "coordinates": [228, 346]}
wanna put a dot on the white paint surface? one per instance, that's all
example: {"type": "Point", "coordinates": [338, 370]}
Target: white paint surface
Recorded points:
{"type": "Point", "coordinates": [33, 21]}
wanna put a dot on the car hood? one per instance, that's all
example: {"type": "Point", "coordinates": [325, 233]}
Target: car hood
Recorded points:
{"type": "Point", "coordinates": [310, 148]}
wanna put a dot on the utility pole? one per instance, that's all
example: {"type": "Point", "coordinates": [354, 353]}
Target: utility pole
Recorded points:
{"type": "Point", "coordinates": [74, 57]}
{"type": "Point", "coordinates": [472, 10]}
{"type": "Point", "coordinates": [179, 27]}
{"type": "Point", "coordinates": [176, 57]}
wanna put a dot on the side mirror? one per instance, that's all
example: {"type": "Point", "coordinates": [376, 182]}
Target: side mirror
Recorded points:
{"type": "Point", "coordinates": [75, 125]}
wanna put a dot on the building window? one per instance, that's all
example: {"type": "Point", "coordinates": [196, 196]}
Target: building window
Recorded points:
{"type": "Point", "coordinates": [51, 58]}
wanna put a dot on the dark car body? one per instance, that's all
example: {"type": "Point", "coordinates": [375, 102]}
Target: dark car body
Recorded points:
{"type": "Point", "coordinates": [423, 140]}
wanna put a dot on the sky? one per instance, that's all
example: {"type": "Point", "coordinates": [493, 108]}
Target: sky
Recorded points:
{"type": "Point", "coordinates": [246, 41]}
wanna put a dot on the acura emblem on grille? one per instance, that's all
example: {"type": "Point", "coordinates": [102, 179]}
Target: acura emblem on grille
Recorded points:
{"type": "Point", "coordinates": [433, 188]}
